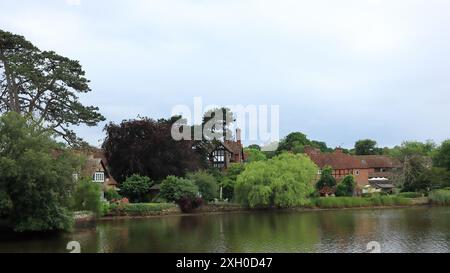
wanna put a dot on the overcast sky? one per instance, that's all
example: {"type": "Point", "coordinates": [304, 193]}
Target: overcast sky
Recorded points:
{"type": "Point", "coordinates": [339, 70]}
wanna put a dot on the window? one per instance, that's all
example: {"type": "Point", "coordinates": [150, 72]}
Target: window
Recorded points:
{"type": "Point", "coordinates": [319, 172]}
{"type": "Point", "coordinates": [219, 156]}
{"type": "Point", "coordinates": [356, 172]}
{"type": "Point", "coordinates": [75, 177]}
{"type": "Point", "coordinates": [99, 177]}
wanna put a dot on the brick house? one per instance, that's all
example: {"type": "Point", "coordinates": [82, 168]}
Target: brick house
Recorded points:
{"type": "Point", "coordinates": [227, 152]}
{"type": "Point", "coordinates": [366, 169]}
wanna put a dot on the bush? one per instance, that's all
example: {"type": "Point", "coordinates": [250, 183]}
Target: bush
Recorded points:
{"type": "Point", "coordinates": [136, 187]}
{"type": "Point", "coordinates": [206, 183]}
{"type": "Point", "coordinates": [283, 181]}
{"type": "Point", "coordinates": [410, 194]}
{"type": "Point", "coordinates": [326, 182]}
{"type": "Point", "coordinates": [112, 195]}
{"type": "Point", "coordinates": [346, 187]}
{"type": "Point", "coordinates": [181, 191]}
{"type": "Point", "coordinates": [86, 197]}
{"type": "Point", "coordinates": [440, 197]}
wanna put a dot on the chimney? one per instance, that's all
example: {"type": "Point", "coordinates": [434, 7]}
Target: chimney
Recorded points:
{"type": "Point", "coordinates": [238, 135]}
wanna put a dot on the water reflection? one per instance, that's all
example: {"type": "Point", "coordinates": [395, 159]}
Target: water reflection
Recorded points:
{"type": "Point", "coordinates": [397, 230]}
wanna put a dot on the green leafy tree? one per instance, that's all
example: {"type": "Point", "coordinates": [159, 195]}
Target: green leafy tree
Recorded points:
{"type": "Point", "coordinates": [442, 156]}
{"type": "Point", "coordinates": [174, 188]}
{"type": "Point", "coordinates": [283, 181]}
{"type": "Point", "coordinates": [255, 147]}
{"type": "Point", "coordinates": [228, 182]}
{"type": "Point", "coordinates": [367, 147]}
{"type": "Point", "coordinates": [413, 148]}
{"type": "Point", "coordinates": [254, 155]}
{"type": "Point", "coordinates": [326, 181]}
{"type": "Point", "coordinates": [346, 187]}
{"type": "Point", "coordinates": [45, 86]}
{"type": "Point", "coordinates": [136, 187]}
{"type": "Point", "coordinates": [294, 142]}
{"type": "Point", "coordinates": [87, 197]}
{"type": "Point", "coordinates": [206, 183]}
{"type": "Point", "coordinates": [36, 176]}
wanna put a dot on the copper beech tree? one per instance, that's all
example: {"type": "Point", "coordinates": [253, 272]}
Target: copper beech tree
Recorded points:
{"type": "Point", "coordinates": [145, 146]}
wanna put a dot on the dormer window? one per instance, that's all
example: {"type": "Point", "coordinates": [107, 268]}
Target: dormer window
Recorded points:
{"type": "Point", "coordinates": [99, 177]}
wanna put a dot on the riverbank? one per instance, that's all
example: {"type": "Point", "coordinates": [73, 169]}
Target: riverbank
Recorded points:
{"type": "Point", "coordinates": [131, 211]}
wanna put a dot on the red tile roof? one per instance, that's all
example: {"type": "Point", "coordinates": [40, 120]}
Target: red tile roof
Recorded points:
{"type": "Point", "coordinates": [336, 160]}
{"type": "Point", "coordinates": [233, 146]}
{"type": "Point", "coordinates": [379, 161]}
{"type": "Point", "coordinates": [339, 160]}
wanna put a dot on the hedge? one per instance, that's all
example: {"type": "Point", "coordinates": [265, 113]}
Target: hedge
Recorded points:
{"type": "Point", "coordinates": [138, 209]}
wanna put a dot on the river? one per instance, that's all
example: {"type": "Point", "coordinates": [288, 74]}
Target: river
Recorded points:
{"type": "Point", "coordinates": [418, 229]}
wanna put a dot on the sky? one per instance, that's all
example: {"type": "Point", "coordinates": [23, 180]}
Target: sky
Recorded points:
{"type": "Point", "coordinates": [339, 70]}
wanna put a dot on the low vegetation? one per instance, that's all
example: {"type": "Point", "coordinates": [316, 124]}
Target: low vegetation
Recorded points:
{"type": "Point", "coordinates": [410, 194]}
{"type": "Point", "coordinates": [351, 202]}
{"type": "Point", "coordinates": [440, 197]}
{"type": "Point", "coordinates": [139, 209]}
{"type": "Point", "coordinates": [86, 197]}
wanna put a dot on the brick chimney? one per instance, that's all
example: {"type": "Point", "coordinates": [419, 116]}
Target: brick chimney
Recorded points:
{"type": "Point", "coordinates": [238, 135]}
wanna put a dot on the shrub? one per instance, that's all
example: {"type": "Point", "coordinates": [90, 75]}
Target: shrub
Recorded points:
{"type": "Point", "coordinates": [440, 197]}
{"type": "Point", "coordinates": [346, 187]}
{"type": "Point", "coordinates": [86, 197]}
{"type": "Point", "coordinates": [326, 180]}
{"type": "Point", "coordinates": [206, 183]}
{"type": "Point", "coordinates": [112, 195]}
{"type": "Point", "coordinates": [283, 181]}
{"type": "Point", "coordinates": [181, 191]}
{"type": "Point", "coordinates": [136, 187]}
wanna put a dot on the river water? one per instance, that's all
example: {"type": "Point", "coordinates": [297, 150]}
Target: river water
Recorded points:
{"type": "Point", "coordinates": [419, 229]}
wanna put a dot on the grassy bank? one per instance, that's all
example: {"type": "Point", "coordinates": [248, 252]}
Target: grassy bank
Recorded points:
{"type": "Point", "coordinates": [351, 202]}
{"type": "Point", "coordinates": [440, 197]}
{"type": "Point", "coordinates": [151, 209]}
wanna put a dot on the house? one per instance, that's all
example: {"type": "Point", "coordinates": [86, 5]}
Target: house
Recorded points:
{"type": "Point", "coordinates": [227, 152]}
{"type": "Point", "coordinates": [96, 166]}
{"type": "Point", "coordinates": [375, 170]}
{"type": "Point", "coordinates": [381, 171]}
{"type": "Point", "coordinates": [342, 164]}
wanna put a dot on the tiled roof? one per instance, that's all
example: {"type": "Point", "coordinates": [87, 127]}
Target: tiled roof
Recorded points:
{"type": "Point", "coordinates": [379, 161]}
{"type": "Point", "coordinates": [233, 146]}
{"type": "Point", "coordinates": [336, 160]}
